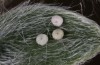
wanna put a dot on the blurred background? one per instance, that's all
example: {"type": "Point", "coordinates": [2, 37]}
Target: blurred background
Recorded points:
{"type": "Point", "coordinates": [88, 8]}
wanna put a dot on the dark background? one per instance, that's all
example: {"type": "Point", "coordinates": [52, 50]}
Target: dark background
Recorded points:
{"type": "Point", "coordinates": [88, 8]}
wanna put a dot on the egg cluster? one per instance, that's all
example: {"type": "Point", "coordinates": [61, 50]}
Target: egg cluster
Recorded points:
{"type": "Point", "coordinates": [57, 34]}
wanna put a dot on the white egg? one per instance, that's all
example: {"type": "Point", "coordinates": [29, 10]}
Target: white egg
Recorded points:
{"type": "Point", "coordinates": [57, 20]}
{"type": "Point", "coordinates": [58, 34]}
{"type": "Point", "coordinates": [42, 39]}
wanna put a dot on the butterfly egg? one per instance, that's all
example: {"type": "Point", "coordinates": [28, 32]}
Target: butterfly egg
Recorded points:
{"type": "Point", "coordinates": [57, 20]}
{"type": "Point", "coordinates": [42, 39]}
{"type": "Point", "coordinates": [57, 34]}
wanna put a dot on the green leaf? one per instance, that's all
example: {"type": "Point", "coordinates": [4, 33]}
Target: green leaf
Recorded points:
{"type": "Point", "coordinates": [20, 26]}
